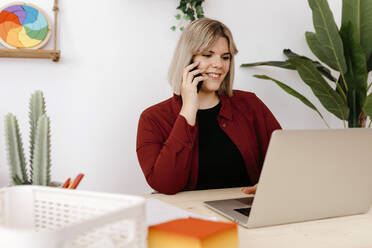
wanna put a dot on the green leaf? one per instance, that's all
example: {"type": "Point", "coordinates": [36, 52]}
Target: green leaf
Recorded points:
{"type": "Point", "coordinates": [369, 64]}
{"type": "Point", "coordinates": [190, 12]}
{"type": "Point", "coordinates": [183, 4]}
{"type": "Point", "coordinates": [329, 98]}
{"type": "Point", "coordinates": [178, 16]}
{"type": "Point", "coordinates": [294, 93]}
{"type": "Point", "coordinates": [173, 28]}
{"type": "Point", "coordinates": [323, 70]}
{"type": "Point", "coordinates": [359, 13]}
{"type": "Point", "coordinates": [329, 47]}
{"type": "Point", "coordinates": [340, 88]}
{"type": "Point", "coordinates": [355, 109]}
{"type": "Point", "coordinates": [286, 65]}
{"type": "Point", "coordinates": [16, 156]}
{"type": "Point", "coordinates": [281, 64]}
{"type": "Point", "coordinates": [367, 108]}
{"type": "Point", "coordinates": [182, 28]}
{"type": "Point", "coordinates": [41, 158]}
{"type": "Point", "coordinates": [183, 9]}
{"type": "Point", "coordinates": [199, 11]}
{"type": "Point", "coordinates": [356, 75]}
{"type": "Point", "coordinates": [316, 48]}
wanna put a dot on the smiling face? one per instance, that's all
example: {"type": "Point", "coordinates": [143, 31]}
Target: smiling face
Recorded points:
{"type": "Point", "coordinates": [216, 64]}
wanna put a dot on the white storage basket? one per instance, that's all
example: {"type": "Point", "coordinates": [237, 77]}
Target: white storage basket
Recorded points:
{"type": "Point", "coordinates": [45, 217]}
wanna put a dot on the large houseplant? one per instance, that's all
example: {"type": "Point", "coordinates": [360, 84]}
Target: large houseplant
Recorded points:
{"type": "Point", "coordinates": [346, 50]}
{"type": "Point", "coordinates": [38, 172]}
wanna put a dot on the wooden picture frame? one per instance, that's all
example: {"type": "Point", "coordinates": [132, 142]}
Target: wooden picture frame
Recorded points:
{"type": "Point", "coordinates": [53, 54]}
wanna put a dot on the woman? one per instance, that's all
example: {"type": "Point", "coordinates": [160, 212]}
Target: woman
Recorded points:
{"type": "Point", "coordinates": [207, 135]}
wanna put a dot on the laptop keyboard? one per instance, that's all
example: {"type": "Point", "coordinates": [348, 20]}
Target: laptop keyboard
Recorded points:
{"type": "Point", "coordinates": [244, 211]}
{"type": "Point", "coordinates": [246, 200]}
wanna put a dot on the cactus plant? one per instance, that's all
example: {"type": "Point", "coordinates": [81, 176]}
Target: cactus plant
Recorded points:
{"type": "Point", "coordinates": [16, 155]}
{"type": "Point", "coordinates": [40, 162]}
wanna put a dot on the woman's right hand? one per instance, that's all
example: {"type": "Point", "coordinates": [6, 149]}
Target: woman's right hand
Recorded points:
{"type": "Point", "coordinates": [250, 190]}
{"type": "Point", "coordinates": [189, 93]}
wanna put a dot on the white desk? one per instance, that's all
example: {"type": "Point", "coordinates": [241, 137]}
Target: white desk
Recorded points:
{"type": "Point", "coordinates": [345, 232]}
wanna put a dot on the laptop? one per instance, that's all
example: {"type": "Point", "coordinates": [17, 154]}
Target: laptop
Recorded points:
{"type": "Point", "coordinates": [308, 175]}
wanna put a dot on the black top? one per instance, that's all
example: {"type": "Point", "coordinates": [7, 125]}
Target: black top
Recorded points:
{"type": "Point", "coordinates": [220, 162]}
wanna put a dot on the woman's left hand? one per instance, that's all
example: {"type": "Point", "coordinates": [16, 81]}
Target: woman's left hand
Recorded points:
{"type": "Point", "coordinates": [250, 190]}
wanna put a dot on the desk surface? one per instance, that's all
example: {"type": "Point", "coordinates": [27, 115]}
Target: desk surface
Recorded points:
{"type": "Point", "coordinates": [345, 232]}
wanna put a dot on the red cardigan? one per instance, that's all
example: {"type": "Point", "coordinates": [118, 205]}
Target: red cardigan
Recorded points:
{"type": "Point", "coordinates": [167, 146]}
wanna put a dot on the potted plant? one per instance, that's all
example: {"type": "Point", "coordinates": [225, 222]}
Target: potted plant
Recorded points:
{"type": "Point", "coordinates": [38, 172]}
{"type": "Point", "coordinates": [191, 10]}
{"type": "Point", "coordinates": [346, 50]}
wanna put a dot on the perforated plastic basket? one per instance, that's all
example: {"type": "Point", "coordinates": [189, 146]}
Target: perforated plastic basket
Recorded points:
{"type": "Point", "coordinates": [45, 217]}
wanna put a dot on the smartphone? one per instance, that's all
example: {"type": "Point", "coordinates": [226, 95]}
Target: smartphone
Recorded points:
{"type": "Point", "coordinates": [197, 75]}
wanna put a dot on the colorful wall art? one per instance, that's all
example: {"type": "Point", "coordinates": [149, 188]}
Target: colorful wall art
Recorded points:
{"type": "Point", "coordinates": [23, 26]}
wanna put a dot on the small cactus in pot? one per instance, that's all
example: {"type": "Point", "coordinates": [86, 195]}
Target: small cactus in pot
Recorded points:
{"type": "Point", "coordinates": [38, 172]}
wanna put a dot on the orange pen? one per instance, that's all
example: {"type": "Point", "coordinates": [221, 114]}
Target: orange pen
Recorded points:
{"type": "Point", "coordinates": [70, 185]}
{"type": "Point", "coordinates": [67, 183]}
{"type": "Point", "coordinates": [76, 181]}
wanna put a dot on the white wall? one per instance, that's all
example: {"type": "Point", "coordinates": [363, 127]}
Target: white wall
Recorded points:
{"type": "Point", "coordinates": [115, 56]}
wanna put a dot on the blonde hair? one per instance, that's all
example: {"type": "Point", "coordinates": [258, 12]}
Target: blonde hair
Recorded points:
{"type": "Point", "coordinates": [200, 35]}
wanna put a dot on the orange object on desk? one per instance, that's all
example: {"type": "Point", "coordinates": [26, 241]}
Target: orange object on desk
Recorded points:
{"type": "Point", "coordinates": [193, 233]}
{"type": "Point", "coordinates": [76, 181]}
{"type": "Point", "coordinates": [67, 183]}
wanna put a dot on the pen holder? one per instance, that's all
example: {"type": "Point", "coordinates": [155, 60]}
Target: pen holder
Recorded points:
{"type": "Point", "coordinates": [45, 217]}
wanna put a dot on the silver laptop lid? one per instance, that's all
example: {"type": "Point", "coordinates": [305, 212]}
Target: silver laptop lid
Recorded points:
{"type": "Point", "coordinates": [314, 174]}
